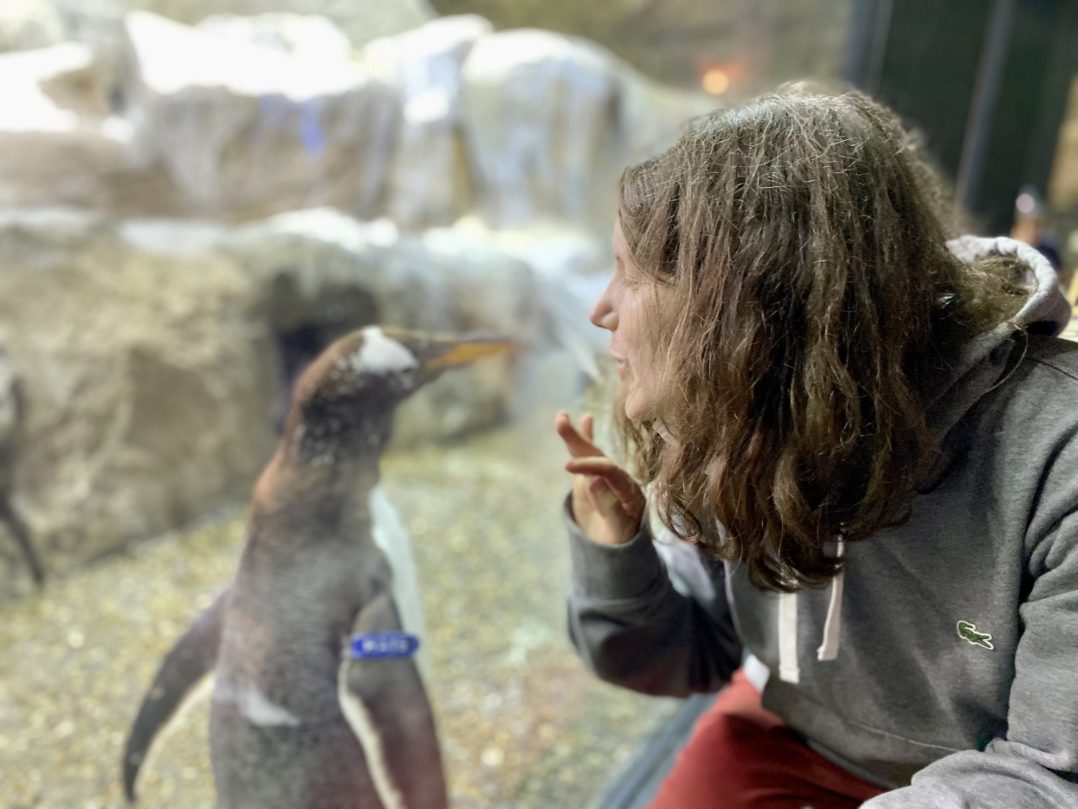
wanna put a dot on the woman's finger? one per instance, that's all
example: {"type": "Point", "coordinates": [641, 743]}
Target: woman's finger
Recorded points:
{"type": "Point", "coordinates": [627, 491]}
{"type": "Point", "coordinates": [595, 465]}
{"type": "Point", "coordinates": [604, 499]}
{"type": "Point", "coordinates": [587, 427]}
{"type": "Point", "coordinates": [578, 445]}
{"type": "Point", "coordinates": [618, 524]}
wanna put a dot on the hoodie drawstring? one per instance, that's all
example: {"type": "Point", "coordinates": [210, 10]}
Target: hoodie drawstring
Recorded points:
{"type": "Point", "coordinates": [832, 625]}
{"type": "Point", "coordinates": [789, 671]}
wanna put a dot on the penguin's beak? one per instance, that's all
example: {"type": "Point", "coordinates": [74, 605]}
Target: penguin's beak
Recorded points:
{"type": "Point", "coordinates": [444, 354]}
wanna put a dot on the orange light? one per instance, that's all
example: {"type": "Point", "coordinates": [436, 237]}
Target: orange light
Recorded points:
{"type": "Point", "coordinates": [715, 81]}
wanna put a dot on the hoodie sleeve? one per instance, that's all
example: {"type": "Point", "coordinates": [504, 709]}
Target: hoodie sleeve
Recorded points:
{"type": "Point", "coordinates": [633, 628]}
{"type": "Point", "coordinates": [1035, 766]}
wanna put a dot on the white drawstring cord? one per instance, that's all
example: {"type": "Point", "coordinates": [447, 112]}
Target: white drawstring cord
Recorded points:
{"type": "Point", "coordinates": [832, 627]}
{"type": "Point", "coordinates": [789, 671]}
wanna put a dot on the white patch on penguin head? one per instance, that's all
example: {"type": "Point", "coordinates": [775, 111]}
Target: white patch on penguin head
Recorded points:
{"type": "Point", "coordinates": [381, 355]}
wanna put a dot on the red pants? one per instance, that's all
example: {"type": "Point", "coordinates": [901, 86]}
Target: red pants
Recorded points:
{"type": "Point", "coordinates": [741, 756]}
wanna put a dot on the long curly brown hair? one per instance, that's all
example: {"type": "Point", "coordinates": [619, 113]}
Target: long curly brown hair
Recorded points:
{"type": "Point", "coordinates": [802, 238]}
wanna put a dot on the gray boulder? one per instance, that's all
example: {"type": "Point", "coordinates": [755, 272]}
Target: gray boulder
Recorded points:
{"type": "Point", "coordinates": [143, 375]}
{"type": "Point", "coordinates": [326, 269]}
{"type": "Point", "coordinates": [150, 354]}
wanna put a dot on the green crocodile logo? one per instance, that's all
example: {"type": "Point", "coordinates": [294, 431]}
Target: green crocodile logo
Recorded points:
{"type": "Point", "coordinates": [968, 632]}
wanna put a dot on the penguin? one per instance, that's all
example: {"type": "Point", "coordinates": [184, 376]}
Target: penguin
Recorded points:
{"type": "Point", "coordinates": [318, 702]}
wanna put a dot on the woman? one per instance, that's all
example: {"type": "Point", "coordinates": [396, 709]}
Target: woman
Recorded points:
{"type": "Point", "coordinates": [869, 434]}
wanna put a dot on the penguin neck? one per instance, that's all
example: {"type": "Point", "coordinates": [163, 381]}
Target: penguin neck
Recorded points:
{"type": "Point", "coordinates": [313, 494]}
{"type": "Point", "coordinates": [336, 443]}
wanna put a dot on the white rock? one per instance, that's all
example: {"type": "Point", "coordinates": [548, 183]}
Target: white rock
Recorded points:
{"type": "Point", "coordinates": [540, 113]}
{"type": "Point", "coordinates": [247, 130]}
{"type": "Point", "coordinates": [360, 20]}
{"type": "Point", "coordinates": [313, 38]}
{"type": "Point", "coordinates": [51, 153]}
{"type": "Point", "coordinates": [429, 182]}
{"type": "Point", "coordinates": [427, 59]}
{"type": "Point", "coordinates": [26, 24]}
{"type": "Point", "coordinates": [172, 57]}
{"type": "Point", "coordinates": [27, 107]}
{"type": "Point", "coordinates": [330, 226]}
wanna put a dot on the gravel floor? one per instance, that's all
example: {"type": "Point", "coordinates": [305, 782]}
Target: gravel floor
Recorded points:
{"type": "Point", "coordinates": [522, 723]}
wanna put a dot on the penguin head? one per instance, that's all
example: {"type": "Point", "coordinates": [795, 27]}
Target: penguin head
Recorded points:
{"type": "Point", "coordinates": [344, 402]}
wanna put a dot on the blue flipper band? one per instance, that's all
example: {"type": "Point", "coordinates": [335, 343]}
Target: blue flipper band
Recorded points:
{"type": "Point", "coordinates": [377, 645]}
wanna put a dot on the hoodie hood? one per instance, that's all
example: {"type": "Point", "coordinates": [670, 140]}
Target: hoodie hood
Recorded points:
{"type": "Point", "coordinates": [1047, 310]}
{"type": "Point", "coordinates": [979, 365]}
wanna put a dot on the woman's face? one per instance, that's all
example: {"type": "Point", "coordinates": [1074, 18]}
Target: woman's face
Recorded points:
{"type": "Point", "coordinates": [624, 309]}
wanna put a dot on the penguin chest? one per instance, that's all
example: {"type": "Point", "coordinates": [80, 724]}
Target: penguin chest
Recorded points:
{"type": "Point", "coordinates": [245, 696]}
{"type": "Point", "coordinates": [277, 666]}
{"type": "Point", "coordinates": [391, 538]}
{"type": "Point", "coordinates": [279, 739]}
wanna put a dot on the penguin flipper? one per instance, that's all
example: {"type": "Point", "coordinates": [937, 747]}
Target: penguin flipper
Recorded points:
{"type": "Point", "coordinates": [386, 705]}
{"type": "Point", "coordinates": [22, 537]}
{"type": "Point", "coordinates": [188, 662]}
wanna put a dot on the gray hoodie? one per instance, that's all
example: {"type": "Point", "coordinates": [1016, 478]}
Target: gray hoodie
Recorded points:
{"type": "Point", "coordinates": [942, 664]}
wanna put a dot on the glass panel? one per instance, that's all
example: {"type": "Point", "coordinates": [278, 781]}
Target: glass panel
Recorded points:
{"type": "Point", "coordinates": [192, 211]}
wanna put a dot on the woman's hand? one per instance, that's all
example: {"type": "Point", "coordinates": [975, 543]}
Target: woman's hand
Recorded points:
{"type": "Point", "coordinates": [607, 504]}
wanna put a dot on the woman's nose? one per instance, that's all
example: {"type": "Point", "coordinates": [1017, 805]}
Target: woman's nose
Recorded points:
{"type": "Point", "coordinates": [602, 314]}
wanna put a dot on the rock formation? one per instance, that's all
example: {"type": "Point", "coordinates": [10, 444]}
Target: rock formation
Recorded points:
{"type": "Point", "coordinates": [189, 213]}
